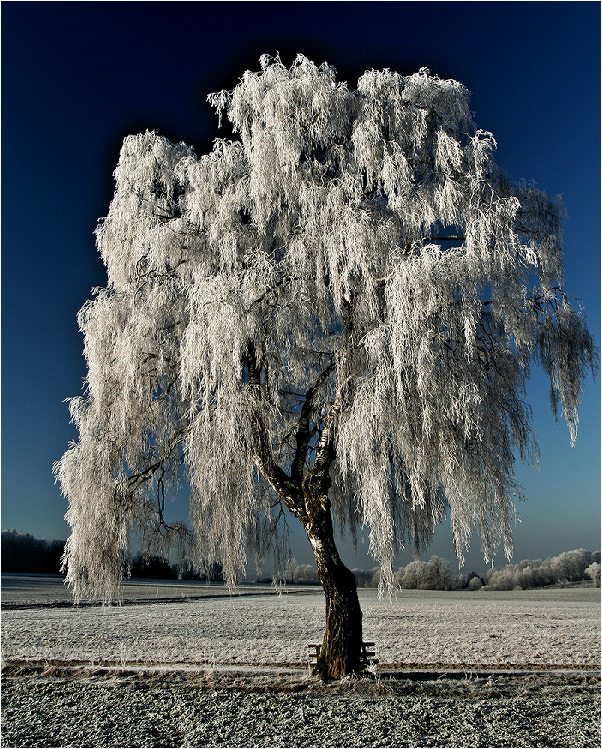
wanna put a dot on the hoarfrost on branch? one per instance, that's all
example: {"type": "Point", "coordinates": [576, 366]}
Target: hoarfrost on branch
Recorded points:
{"type": "Point", "coordinates": [352, 281]}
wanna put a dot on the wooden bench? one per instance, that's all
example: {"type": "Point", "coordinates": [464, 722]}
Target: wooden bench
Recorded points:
{"type": "Point", "coordinates": [312, 656]}
{"type": "Point", "coordinates": [367, 654]}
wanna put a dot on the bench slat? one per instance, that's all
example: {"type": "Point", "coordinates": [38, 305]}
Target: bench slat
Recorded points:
{"type": "Point", "coordinates": [365, 654]}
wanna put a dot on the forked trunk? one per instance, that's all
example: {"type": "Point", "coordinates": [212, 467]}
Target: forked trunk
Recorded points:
{"type": "Point", "coordinates": [340, 653]}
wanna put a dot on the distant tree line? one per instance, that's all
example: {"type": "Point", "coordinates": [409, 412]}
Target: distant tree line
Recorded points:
{"type": "Point", "coordinates": [568, 567]}
{"type": "Point", "coordinates": [21, 552]}
{"type": "Point", "coordinates": [24, 553]}
{"type": "Point", "coordinates": [159, 568]}
{"type": "Point", "coordinates": [436, 574]}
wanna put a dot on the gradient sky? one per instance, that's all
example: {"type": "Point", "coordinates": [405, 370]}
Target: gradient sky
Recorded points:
{"type": "Point", "coordinates": [78, 77]}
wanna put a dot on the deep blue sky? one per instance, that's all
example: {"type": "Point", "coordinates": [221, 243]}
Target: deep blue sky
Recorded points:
{"type": "Point", "coordinates": [78, 77]}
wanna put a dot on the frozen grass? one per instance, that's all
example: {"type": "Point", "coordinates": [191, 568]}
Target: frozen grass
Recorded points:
{"type": "Point", "coordinates": [48, 705]}
{"type": "Point", "coordinates": [30, 589]}
{"type": "Point", "coordinates": [559, 627]}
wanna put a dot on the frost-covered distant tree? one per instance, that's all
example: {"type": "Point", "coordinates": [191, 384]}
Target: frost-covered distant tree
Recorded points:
{"type": "Point", "coordinates": [331, 316]}
{"type": "Point", "coordinates": [593, 571]}
{"type": "Point", "coordinates": [410, 576]}
{"type": "Point", "coordinates": [305, 574]}
{"type": "Point", "coordinates": [570, 565]}
{"type": "Point", "coordinates": [475, 583]}
{"type": "Point", "coordinates": [432, 575]}
{"type": "Point", "coordinates": [438, 575]}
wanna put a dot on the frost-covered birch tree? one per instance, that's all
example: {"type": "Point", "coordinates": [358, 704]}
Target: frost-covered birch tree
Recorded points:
{"type": "Point", "coordinates": [331, 317]}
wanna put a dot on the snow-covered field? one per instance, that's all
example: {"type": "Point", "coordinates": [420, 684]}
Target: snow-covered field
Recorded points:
{"type": "Point", "coordinates": [190, 665]}
{"type": "Point", "coordinates": [256, 626]}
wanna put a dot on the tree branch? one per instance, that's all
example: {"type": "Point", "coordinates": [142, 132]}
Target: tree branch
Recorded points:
{"type": "Point", "coordinates": [277, 478]}
{"type": "Point", "coordinates": [304, 433]}
{"type": "Point", "coordinates": [136, 479]}
{"type": "Point", "coordinates": [450, 238]}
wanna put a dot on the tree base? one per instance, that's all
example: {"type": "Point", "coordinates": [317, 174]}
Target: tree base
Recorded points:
{"type": "Point", "coordinates": [341, 651]}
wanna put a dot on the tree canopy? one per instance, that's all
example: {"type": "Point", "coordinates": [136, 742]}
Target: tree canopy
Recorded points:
{"type": "Point", "coordinates": [351, 283]}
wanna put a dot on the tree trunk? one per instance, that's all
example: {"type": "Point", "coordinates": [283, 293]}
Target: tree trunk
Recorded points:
{"type": "Point", "coordinates": [341, 649]}
{"type": "Point", "coordinates": [307, 498]}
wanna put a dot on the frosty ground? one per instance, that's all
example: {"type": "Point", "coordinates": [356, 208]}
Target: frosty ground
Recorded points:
{"type": "Point", "coordinates": [190, 665]}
